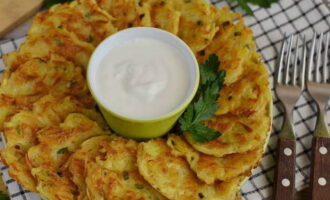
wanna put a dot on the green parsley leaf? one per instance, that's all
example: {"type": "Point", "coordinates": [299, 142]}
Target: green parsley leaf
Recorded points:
{"type": "Point", "coordinates": [50, 3]}
{"type": "Point", "coordinates": [201, 133]}
{"type": "Point", "coordinates": [187, 118]}
{"type": "Point", "coordinates": [244, 5]}
{"type": "Point", "coordinates": [3, 196]}
{"type": "Point", "coordinates": [206, 104]}
{"type": "Point", "coordinates": [262, 3]}
{"type": "Point", "coordinates": [206, 69]}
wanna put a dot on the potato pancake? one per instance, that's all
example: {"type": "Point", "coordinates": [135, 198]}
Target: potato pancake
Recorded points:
{"type": "Point", "coordinates": [44, 46]}
{"type": "Point", "coordinates": [14, 158]}
{"type": "Point", "coordinates": [36, 78]}
{"type": "Point", "coordinates": [55, 146]}
{"type": "Point", "coordinates": [243, 116]}
{"type": "Point", "coordinates": [127, 13]}
{"type": "Point", "coordinates": [239, 134]}
{"type": "Point", "coordinates": [7, 108]}
{"type": "Point", "coordinates": [248, 95]}
{"type": "Point", "coordinates": [56, 142]}
{"type": "Point", "coordinates": [209, 168]}
{"type": "Point", "coordinates": [21, 132]}
{"type": "Point", "coordinates": [83, 18]}
{"type": "Point", "coordinates": [113, 173]}
{"type": "Point", "coordinates": [197, 23]}
{"type": "Point", "coordinates": [172, 176]}
{"type": "Point", "coordinates": [233, 43]}
{"type": "Point", "coordinates": [164, 15]}
{"type": "Point", "coordinates": [33, 79]}
{"type": "Point", "coordinates": [76, 164]}
{"type": "Point", "coordinates": [225, 16]}
{"type": "Point", "coordinates": [54, 183]}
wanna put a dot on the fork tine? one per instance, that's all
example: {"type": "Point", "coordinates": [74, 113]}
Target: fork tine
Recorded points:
{"type": "Point", "coordinates": [325, 61]}
{"type": "Point", "coordinates": [295, 63]}
{"type": "Point", "coordinates": [311, 54]}
{"type": "Point", "coordinates": [288, 60]}
{"type": "Point", "coordinates": [303, 70]}
{"type": "Point", "coordinates": [280, 62]}
{"type": "Point", "coordinates": [318, 58]}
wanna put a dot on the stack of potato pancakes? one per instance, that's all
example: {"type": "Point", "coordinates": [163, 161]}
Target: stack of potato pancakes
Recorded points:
{"type": "Point", "coordinates": [57, 143]}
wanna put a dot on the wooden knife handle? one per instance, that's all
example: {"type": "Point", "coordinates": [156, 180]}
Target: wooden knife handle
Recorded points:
{"type": "Point", "coordinates": [284, 181]}
{"type": "Point", "coordinates": [320, 172]}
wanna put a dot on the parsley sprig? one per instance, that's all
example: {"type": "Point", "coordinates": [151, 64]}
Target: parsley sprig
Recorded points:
{"type": "Point", "coordinates": [206, 104]}
{"type": "Point", "coordinates": [262, 3]}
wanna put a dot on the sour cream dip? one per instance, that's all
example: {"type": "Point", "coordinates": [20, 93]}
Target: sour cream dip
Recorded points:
{"type": "Point", "coordinates": [142, 79]}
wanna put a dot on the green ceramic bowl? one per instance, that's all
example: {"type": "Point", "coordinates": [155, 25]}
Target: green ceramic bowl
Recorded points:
{"type": "Point", "coordinates": [143, 128]}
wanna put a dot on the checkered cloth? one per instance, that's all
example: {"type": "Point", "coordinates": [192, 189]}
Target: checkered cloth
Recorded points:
{"type": "Point", "coordinates": [288, 16]}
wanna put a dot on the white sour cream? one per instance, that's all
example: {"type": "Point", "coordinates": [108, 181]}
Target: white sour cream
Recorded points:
{"type": "Point", "coordinates": [143, 79]}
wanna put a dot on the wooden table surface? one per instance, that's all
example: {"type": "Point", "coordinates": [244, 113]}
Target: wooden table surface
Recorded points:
{"type": "Point", "coordinates": [13, 12]}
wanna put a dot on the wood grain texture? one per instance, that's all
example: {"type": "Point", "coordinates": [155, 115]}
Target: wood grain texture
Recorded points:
{"type": "Point", "coordinates": [320, 169]}
{"type": "Point", "coordinates": [285, 170]}
{"type": "Point", "coordinates": [14, 12]}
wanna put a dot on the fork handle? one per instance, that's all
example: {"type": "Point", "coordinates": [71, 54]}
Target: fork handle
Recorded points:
{"type": "Point", "coordinates": [285, 171]}
{"type": "Point", "coordinates": [320, 172]}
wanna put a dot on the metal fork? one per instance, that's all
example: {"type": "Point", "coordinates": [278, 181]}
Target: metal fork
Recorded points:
{"type": "Point", "coordinates": [288, 88]}
{"type": "Point", "coordinates": [319, 89]}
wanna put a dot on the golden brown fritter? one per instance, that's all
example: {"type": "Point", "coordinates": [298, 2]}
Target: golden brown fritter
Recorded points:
{"type": "Point", "coordinates": [239, 134]}
{"type": "Point", "coordinates": [48, 111]}
{"type": "Point", "coordinates": [234, 45]}
{"type": "Point", "coordinates": [225, 16]}
{"type": "Point", "coordinates": [68, 30]}
{"type": "Point", "coordinates": [197, 23]}
{"type": "Point", "coordinates": [243, 116]}
{"type": "Point", "coordinates": [210, 168]}
{"type": "Point", "coordinates": [14, 158]}
{"type": "Point", "coordinates": [114, 174]}
{"type": "Point", "coordinates": [127, 13]}
{"type": "Point", "coordinates": [172, 176]}
{"type": "Point", "coordinates": [111, 172]}
{"type": "Point", "coordinates": [7, 108]}
{"type": "Point", "coordinates": [83, 18]}
{"type": "Point", "coordinates": [54, 183]}
{"type": "Point", "coordinates": [33, 79]}
{"type": "Point", "coordinates": [57, 142]}
{"type": "Point", "coordinates": [43, 46]}
{"type": "Point", "coordinates": [163, 15]}
{"type": "Point", "coordinates": [77, 161]}
{"type": "Point", "coordinates": [36, 78]}
{"type": "Point", "coordinates": [247, 96]}
{"type": "Point", "coordinates": [20, 132]}
{"type": "Point", "coordinates": [55, 146]}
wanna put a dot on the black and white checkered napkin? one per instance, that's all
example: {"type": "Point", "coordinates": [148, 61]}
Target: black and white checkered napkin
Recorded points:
{"type": "Point", "coordinates": [288, 16]}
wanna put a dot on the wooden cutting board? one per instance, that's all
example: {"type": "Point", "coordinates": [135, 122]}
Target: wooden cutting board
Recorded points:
{"type": "Point", "coordinates": [14, 12]}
